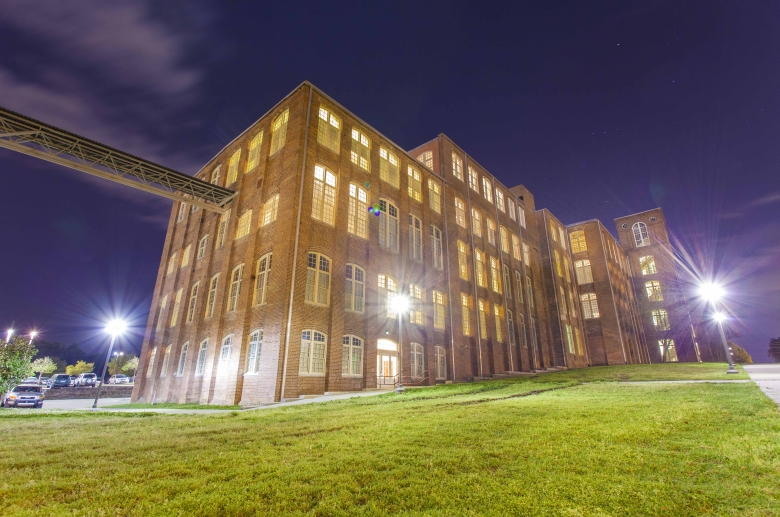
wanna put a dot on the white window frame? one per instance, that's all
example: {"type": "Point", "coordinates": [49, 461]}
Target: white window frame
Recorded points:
{"type": "Point", "coordinates": [641, 235]}
{"type": "Point", "coordinates": [414, 184]}
{"type": "Point", "coordinates": [323, 205]}
{"type": "Point", "coordinates": [360, 154]}
{"type": "Point", "coordinates": [182, 359]}
{"type": "Point", "coordinates": [352, 356]}
{"type": "Point", "coordinates": [389, 167]}
{"type": "Point", "coordinates": [253, 152]}
{"type": "Point", "coordinates": [388, 225]}
{"type": "Point", "coordinates": [328, 130]}
{"type": "Point", "coordinates": [193, 302]}
{"type": "Point", "coordinates": [314, 347]}
{"type": "Point", "coordinates": [318, 273]}
{"type": "Point", "coordinates": [487, 189]}
{"type": "Point", "coordinates": [211, 301]}
{"type": "Point", "coordinates": [457, 166]}
{"type": "Point", "coordinates": [441, 362]}
{"type": "Point", "coordinates": [270, 210]}
{"type": "Point", "coordinates": [202, 244]}
{"type": "Point", "coordinates": [436, 247]}
{"type": "Point", "coordinates": [279, 132]}
{"type": "Point", "coordinates": [262, 277]}
{"type": "Point", "coordinates": [200, 365]}
{"type": "Point", "coordinates": [434, 195]}
{"type": "Point", "coordinates": [417, 360]}
{"type": "Point", "coordinates": [355, 288]}
{"type": "Point", "coordinates": [415, 238]}
{"type": "Point", "coordinates": [236, 279]}
{"type": "Point", "coordinates": [254, 350]}
{"type": "Point", "coordinates": [357, 220]}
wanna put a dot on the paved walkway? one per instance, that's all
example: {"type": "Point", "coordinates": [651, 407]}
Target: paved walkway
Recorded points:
{"type": "Point", "coordinates": [767, 377]}
{"type": "Point", "coordinates": [82, 403]}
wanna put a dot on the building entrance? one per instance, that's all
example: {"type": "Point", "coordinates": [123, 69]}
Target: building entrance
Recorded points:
{"type": "Point", "coordinates": [386, 363]}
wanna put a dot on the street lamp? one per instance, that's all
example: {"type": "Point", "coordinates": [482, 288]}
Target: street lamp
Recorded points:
{"type": "Point", "coordinates": [8, 335]}
{"type": "Point", "coordinates": [115, 328]}
{"type": "Point", "coordinates": [713, 293]}
{"type": "Point", "coordinates": [33, 333]}
{"type": "Point", "coordinates": [400, 304]}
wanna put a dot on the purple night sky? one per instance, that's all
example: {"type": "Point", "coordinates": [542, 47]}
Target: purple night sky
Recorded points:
{"type": "Point", "coordinates": [599, 111]}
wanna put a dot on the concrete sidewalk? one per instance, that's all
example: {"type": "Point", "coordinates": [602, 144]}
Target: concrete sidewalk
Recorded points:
{"type": "Point", "coordinates": [767, 377]}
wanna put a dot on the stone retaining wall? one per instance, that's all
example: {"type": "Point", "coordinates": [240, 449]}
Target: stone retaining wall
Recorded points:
{"type": "Point", "coordinates": [108, 392]}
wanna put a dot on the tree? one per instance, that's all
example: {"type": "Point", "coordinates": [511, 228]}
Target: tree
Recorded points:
{"type": "Point", "coordinates": [131, 366]}
{"type": "Point", "coordinates": [79, 368]}
{"type": "Point", "coordinates": [43, 365]}
{"type": "Point", "coordinates": [15, 357]}
{"type": "Point", "coordinates": [740, 354]}
{"type": "Point", "coordinates": [117, 364]}
{"type": "Point", "coordinates": [774, 349]}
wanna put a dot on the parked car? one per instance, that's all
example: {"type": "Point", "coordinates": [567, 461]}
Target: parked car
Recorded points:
{"type": "Point", "coordinates": [119, 378]}
{"type": "Point", "coordinates": [24, 395]}
{"type": "Point", "coordinates": [61, 380]}
{"type": "Point", "coordinates": [43, 381]}
{"type": "Point", "coordinates": [30, 380]}
{"type": "Point", "coordinates": [86, 379]}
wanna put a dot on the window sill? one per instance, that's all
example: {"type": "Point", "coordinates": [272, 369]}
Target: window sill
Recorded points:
{"type": "Point", "coordinates": [251, 374]}
{"type": "Point", "coordinates": [306, 374]}
{"type": "Point", "coordinates": [352, 375]}
{"type": "Point", "coordinates": [315, 304]}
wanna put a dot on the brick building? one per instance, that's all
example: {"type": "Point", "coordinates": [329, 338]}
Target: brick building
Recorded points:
{"type": "Point", "coordinates": [289, 292]}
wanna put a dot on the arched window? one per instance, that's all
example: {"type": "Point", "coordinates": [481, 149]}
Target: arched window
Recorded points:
{"type": "Point", "coordinates": [388, 225]}
{"type": "Point", "coordinates": [318, 279]}
{"type": "Point", "coordinates": [507, 282]}
{"type": "Point", "coordinates": [415, 238]}
{"type": "Point", "coordinates": [415, 309]}
{"type": "Point", "coordinates": [583, 271]}
{"type": "Point", "coordinates": [166, 360]}
{"type": "Point", "coordinates": [235, 158]}
{"type": "Point", "coordinates": [329, 130]}
{"type": "Point", "coordinates": [498, 311]}
{"type": "Point", "coordinates": [504, 233]}
{"type": "Point", "coordinates": [460, 212]}
{"type": "Point", "coordinates": [463, 265]}
{"type": "Point", "coordinates": [521, 327]}
{"type": "Point", "coordinates": [495, 275]}
{"type": "Point", "coordinates": [279, 131]}
{"type": "Point", "coordinates": [426, 159]}
{"type": "Point", "coordinates": [487, 190]}
{"type": "Point", "coordinates": [388, 167]}
{"type": "Point", "coordinates": [270, 210]}
{"type": "Point", "coordinates": [491, 230]}
{"type": "Point", "coordinates": [212, 295]}
{"type": "Point", "coordinates": [438, 309]}
{"type": "Point", "coordinates": [510, 324]}
{"type": "Point", "coordinates": [254, 151]}
{"type": "Point", "coordinates": [457, 166]}
{"type": "Point", "coordinates": [253, 354]}
{"type": "Point", "coordinates": [262, 275]}
{"type": "Point", "coordinates": [361, 148]}
{"type": "Point", "coordinates": [224, 354]}
{"type": "Point", "coordinates": [476, 222]}
{"type": "Point", "coordinates": [483, 308]}
{"type": "Point", "coordinates": [415, 184]}
{"type": "Point", "coordinates": [176, 305]}
{"type": "Point", "coordinates": [434, 196]}
{"type": "Point", "coordinates": [352, 356]}
{"type": "Point", "coordinates": [323, 206]}
{"type": "Point", "coordinates": [215, 175]}
{"type": "Point", "coordinates": [355, 289]}
{"type": "Point", "coordinates": [313, 346]}
{"type": "Point", "coordinates": [641, 238]}
{"type": "Point", "coordinates": [465, 304]}
{"type": "Point", "coordinates": [438, 260]}
{"type": "Point", "coordinates": [193, 301]}
{"type": "Point", "coordinates": [236, 277]}
{"type": "Point", "coordinates": [182, 359]}
{"type": "Point", "coordinates": [150, 366]}
{"type": "Point", "coordinates": [441, 363]}
{"type": "Point", "coordinates": [480, 261]}
{"type": "Point", "coordinates": [388, 288]}
{"type": "Point", "coordinates": [357, 221]}
{"type": "Point", "coordinates": [201, 364]}
{"type": "Point", "coordinates": [417, 360]}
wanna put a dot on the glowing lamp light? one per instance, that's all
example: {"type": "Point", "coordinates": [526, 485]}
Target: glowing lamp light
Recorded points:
{"type": "Point", "coordinates": [116, 327]}
{"type": "Point", "coordinates": [9, 333]}
{"type": "Point", "coordinates": [711, 292]}
{"type": "Point", "coordinates": [33, 333]}
{"type": "Point", "coordinates": [399, 304]}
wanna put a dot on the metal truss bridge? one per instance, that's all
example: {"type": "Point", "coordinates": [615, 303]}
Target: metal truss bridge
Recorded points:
{"type": "Point", "coordinates": [34, 138]}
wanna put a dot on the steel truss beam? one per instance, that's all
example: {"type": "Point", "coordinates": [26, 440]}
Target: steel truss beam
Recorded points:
{"type": "Point", "coordinates": [34, 138]}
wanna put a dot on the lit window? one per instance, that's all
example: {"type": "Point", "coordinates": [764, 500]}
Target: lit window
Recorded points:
{"type": "Point", "coordinates": [212, 295]}
{"type": "Point", "coordinates": [254, 351]}
{"type": "Point", "coordinates": [415, 309]}
{"type": "Point", "coordinates": [355, 288]}
{"type": "Point", "coordinates": [150, 367]}
{"type": "Point", "coordinates": [465, 316]}
{"type": "Point", "coordinates": [510, 325]}
{"type": "Point", "coordinates": [204, 241]}
{"type": "Point", "coordinates": [182, 360]}
{"type": "Point", "coordinates": [215, 174]}
{"type": "Point", "coordinates": [567, 269]}
{"type": "Point", "coordinates": [426, 159]}
{"type": "Point", "coordinates": [500, 200]}
{"type": "Point", "coordinates": [668, 351]}
{"type": "Point", "coordinates": [361, 146]}
{"type": "Point", "coordinates": [562, 236]}
{"type": "Point", "coordinates": [323, 206]}
{"type": "Point", "coordinates": [507, 282]}
{"type": "Point", "coordinates": [233, 167]}
{"type": "Point", "coordinates": [388, 167]}
{"type": "Point", "coordinates": [653, 288]}
{"type": "Point", "coordinates": [185, 257]}
{"type": "Point", "coordinates": [357, 220]}
{"type": "Point", "coordinates": [352, 356]}
{"type": "Point", "coordinates": [647, 265]}
{"type": "Point", "coordinates": [387, 291]}
{"type": "Point", "coordinates": [487, 189]}
{"type": "Point", "coordinates": [660, 319]}
{"type": "Point", "coordinates": [483, 307]}
{"type": "Point", "coordinates": [583, 271]}
{"type": "Point", "coordinates": [577, 240]}
{"type": "Point", "coordinates": [415, 184]}
{"type": "Point", "coordinates": [504, 234]}
{"type": "Point", "coordinates": [481, 274]}
{"type": "Point", "coordinates": [558, 267]}
{"type": "Point", "coordinates": [201, 363]}
{"type": "Point", "coordinates": [578, 337]}
{"type": "Point", "coordinates": [473, 181]}
{"type": "Point", "coordinates": [244, 224]}
{"type": "Point", "coordinates": [441, 363]}
{"type": "Point", "coordinates": [182, 211]}
{"type": "Point", "coordinates": [519, 282]}
{"type": "Point", "coordinates": [254, 151]}
{"type": "Point", "coordinates": [415, 238]}
{"type": "Point", "coordinates": [463, 268]}
{"type": "Point", "coordinates": [438, 310]}
{"type": "Point", "coordinates": [553, 233]}
{"type": "Point", "coordinates": [457, 167]}
{"type": "Point", "coordinates": [641, 238]}
{"type": "Point", "coordinates": [460, 212]}
{"type": "Point", "coordinates": [521, 216]}
{"type": "Point", "coordinates": [434, 196]}
{"type": "Point", "coordinates": [510, 206]}
{"type": "Point", "coordinates": [166, 360]}
{"type": "Point", "coordinates": [318, 279]}
{"type": "Point", "coordinates": [262, 276]}
{"type": "Point", "coordinates": [161, 315]}
{"type": "Point", "coordinates": [498, 312]}
{"type": "Point", "coordinates": [388, 225]}
{"type": "Point", "coordinates": [569, 339]}
{"type": "Point", "coordinates": [193, 301]}
{"type": "Point", "coordinates": [328, 130]}
{"type": "Point", "coordinates": [436, 248]}
{"type": "Point", "coordinates": [236, 277]}
{"type": "Point", "coordinates": [224, 355]}
{"type": "Point", "coordinates": [491, 230]}
{"type": "Point", "coordinates": [476, 222]}
{"type": "Point", "coordinates": [417, 360]}
{"type": "Point", "coordinates": [516, 253]}
{"type": "Point", "coordinates": [521, 329]}
{"type": "Point", "coordinates": [313, 346]}
{"type": "Point", "coordinates": [279, 131]}
{"type": "Point", "coordinates": [171, 263]}
{"type": "Point", "coordinates": [590, 308]}
{"type": "Point", "coordinates": [564, 306]}
{"type": "Point", "coordinates": [495, 275]}
{"type": "Point", "coordinates": [270, 209]}
{"type": "Point", "coordinates": [529, 291]}
{"type": "Point", "coordinates": [221, 229]}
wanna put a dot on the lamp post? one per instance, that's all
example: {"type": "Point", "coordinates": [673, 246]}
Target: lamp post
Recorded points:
{"type": "Point", "coordinates": [32, 335]}
{"type": "Point", "coordinates": [400, 305]}
{"type": "Point", "coordinates": [8, 334]}
{"type": "Point", "coordinates": [115, 328]}
{"type": "Point", "coordinates": [713, 293]}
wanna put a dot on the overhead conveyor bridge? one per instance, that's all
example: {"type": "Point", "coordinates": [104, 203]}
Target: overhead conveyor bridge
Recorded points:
{"type": "Point", "coordinates": [35, 138]}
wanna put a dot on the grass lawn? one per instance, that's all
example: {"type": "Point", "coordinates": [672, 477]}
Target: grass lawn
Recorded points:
{"type": "Point", "coordinates": [574, 443]}
{"type": "Point", "coordinates": [167, 405]}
